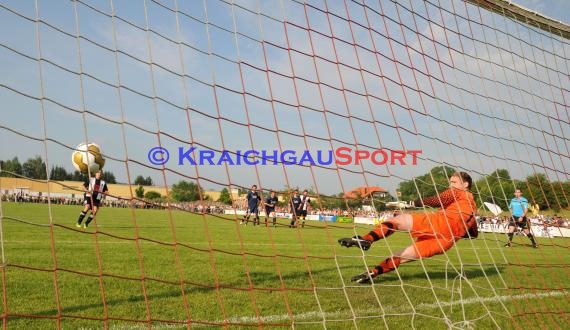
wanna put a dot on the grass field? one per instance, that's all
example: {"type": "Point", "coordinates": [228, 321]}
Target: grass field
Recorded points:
{"type": "Point", "coordinates": [139, 269]}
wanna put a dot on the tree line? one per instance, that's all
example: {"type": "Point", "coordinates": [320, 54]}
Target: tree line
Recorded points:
{"type": "Point", "coordinates": [35, 168]}
{"type": "Point", "coordinates": [496, 188]}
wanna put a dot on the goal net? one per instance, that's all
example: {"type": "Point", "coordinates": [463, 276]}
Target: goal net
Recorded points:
{"type": "Point", "coordinates": [366, 105]}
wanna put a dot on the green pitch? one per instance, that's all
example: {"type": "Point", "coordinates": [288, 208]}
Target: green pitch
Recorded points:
{"type": "Point", "coordinates": [139, 269]}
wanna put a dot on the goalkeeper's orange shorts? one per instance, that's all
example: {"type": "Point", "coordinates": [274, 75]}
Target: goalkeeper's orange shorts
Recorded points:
{"type": "Point", "coordinates": [434, 233]}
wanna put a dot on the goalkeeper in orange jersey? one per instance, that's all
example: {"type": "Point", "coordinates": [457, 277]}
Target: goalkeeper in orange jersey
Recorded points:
{"type": "Point", "coordinates": [435, 232]}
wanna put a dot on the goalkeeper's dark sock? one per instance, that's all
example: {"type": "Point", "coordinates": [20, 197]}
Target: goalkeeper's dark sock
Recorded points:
{"type": "Point", "coordinates": [89, 219]}
{"type": "Point", "coordinates": [81, 216]}
{"type": "Point", "coordinates": [383, 230]}
{"type": "Point", "coordinates": [387, 265]}
{"type": "Point", "coordinates": [510, 235]}
{"type": "Point", "coordinates": [531, 237]}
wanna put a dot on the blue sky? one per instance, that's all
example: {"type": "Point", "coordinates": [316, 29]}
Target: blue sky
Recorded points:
{"type": "Point", "coordinates": [491, 96]}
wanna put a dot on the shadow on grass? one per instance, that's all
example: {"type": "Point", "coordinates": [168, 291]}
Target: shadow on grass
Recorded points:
{"type": "Point", "coordinates": [87, 309]}
{"type": "Point", "coordinates": [469, 272]}
{"type": "Point", "coordinates": [330, 275]}
{"type": "Point", "coordinates": [262, 281]}
{"type": "Point", "coordinates": [270, 281]}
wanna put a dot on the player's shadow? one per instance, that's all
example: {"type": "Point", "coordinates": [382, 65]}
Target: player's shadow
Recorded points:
{"type": "Point", "coordinates": [469, 272]}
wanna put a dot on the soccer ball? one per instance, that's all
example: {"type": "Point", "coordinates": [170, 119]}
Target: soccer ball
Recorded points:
{"type": "Point", "coordinates": [88, 158]}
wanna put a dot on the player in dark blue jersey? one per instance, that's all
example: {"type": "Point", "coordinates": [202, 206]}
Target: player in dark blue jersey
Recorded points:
{"type": "Point", "coordinates": [270, 204]}
{"type": "Point", "coordinates": [253, 201]}
{"type": "Point", "coordinates": [295, 208]}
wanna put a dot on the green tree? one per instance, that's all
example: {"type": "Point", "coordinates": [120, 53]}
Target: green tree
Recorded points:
{"type": "Point", "coordinates": [58, 173]}
{"type": "Point", "coordinates": [429, 184]}
{"type": "Point", "coordinates": [537, 189]}
{"type": "Point", "coordinates": [152, 195]}
{"type": "Point", "coordinates": [185, 191]}
{"type": "Point", "coordinates": [141, 181]}
{"type": "Point", "coordinates": [225, 197]}
{"type": "Point", "coordinates": [139, 192]}
{"type": "Point", "coordinates": [35, 168]}
{"type": "Point", "coordinates": [109, 177]}
{"type": "Point", "coordinates": [11, 168]}
{"type": "Point", "coordinates": [496, 188]}
{"type": "Point", "coordinates": [354, 203]}
{"type": "Point", "coordinates": [78, 176]}
{"type": "Point", "coordinates": [332, 202]}
{"type": "Point", "coordinates": [562, 193]}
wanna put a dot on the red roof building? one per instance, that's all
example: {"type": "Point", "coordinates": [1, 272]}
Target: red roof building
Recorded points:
{"type": "Point", "coordinates": [364, 192]}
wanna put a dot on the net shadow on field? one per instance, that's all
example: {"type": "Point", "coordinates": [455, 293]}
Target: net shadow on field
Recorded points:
{"type": "Point", "coordinates": [120, 301]}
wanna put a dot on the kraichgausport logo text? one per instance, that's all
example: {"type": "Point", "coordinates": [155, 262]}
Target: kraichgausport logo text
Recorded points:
{"type": "Point", "coordinates": [339, 156]}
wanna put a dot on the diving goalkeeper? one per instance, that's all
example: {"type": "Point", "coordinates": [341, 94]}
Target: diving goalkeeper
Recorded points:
{"type": "Point", "coordinates": [435, 232]}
